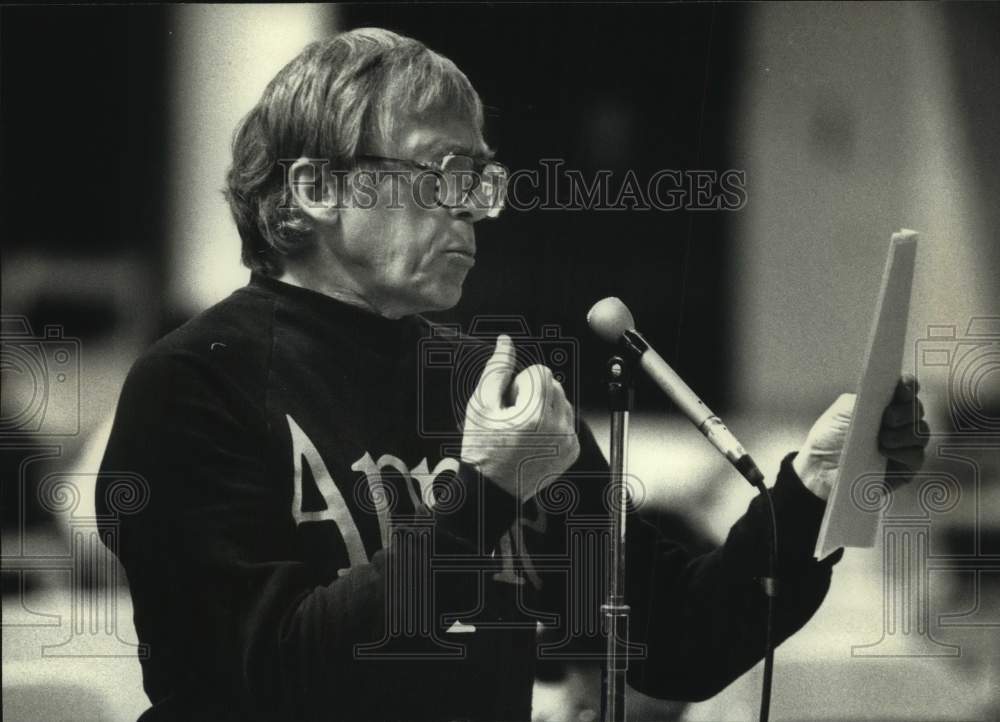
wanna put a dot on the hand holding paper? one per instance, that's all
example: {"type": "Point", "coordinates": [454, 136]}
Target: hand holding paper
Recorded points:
{"type": "Point", "coordinates": [904, 433]}
{"type": "Point", "coordinates": [901, 439]}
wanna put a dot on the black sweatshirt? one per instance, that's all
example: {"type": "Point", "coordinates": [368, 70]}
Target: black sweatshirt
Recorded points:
{"type": "Point", "coordinates": [312, 548]}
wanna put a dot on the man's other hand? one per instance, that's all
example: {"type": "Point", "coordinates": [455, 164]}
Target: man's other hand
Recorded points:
{"type": "Point", "coordinates": [902, 438]}
{"type": "Point", "coordinates": [904, 433]}
{"type": "Point", "coordinates": [525, 444]}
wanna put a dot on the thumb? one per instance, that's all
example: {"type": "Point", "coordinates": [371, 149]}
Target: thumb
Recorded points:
{"type": "Point", "coordinates": [843, 408]}
{"type": "Point", "coordinates": [497, 373]}
{"type": "Point", "coordinates": [829, 431]}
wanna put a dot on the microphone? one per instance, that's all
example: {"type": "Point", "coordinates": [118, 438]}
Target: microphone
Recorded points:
{"type": "Point", "coordinates": [612, 321]}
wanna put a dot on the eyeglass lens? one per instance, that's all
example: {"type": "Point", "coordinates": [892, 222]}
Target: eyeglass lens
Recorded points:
{"type": "Point", "coordinates": [465, 179]}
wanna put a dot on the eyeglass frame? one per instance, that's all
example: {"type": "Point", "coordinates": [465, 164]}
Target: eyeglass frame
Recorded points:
{"type": "Point", "coordinates": [438, 167]}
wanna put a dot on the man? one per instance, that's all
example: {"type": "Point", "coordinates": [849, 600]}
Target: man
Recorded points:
{"type": "Point", "coordinates": [307, 552]}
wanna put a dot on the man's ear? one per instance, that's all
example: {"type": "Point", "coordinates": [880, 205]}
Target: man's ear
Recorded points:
{"type": "Point", "coordinates": [313, 189]}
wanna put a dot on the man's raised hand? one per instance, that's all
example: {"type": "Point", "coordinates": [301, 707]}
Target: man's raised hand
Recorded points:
{"type": "Point", "coordinates": [519, 430]}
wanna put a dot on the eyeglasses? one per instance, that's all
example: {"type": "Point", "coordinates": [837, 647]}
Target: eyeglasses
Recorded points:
{"type": "Point", "coordinates": [458, 180]}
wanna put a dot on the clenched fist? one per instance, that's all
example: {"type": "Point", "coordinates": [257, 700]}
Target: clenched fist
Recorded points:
{"type": "Point", "coordinates": [527, 443]}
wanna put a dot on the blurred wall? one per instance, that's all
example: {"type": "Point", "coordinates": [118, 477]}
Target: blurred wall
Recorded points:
{"type": "Point", "coordinates": [221, 61]}
{"type": "Point", "coordinates": [852, 125]}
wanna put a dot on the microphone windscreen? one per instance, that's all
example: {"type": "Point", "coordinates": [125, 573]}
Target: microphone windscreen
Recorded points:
{"type": "Point", "coordinates": [610, 318]}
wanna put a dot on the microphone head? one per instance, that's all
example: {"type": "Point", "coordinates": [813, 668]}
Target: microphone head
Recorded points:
{"type": "Point", "coordinates": [610, 318]}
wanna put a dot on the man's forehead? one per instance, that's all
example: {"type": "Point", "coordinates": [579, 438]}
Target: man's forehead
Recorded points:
{"type": "Point", "coordinates": [437, 135]}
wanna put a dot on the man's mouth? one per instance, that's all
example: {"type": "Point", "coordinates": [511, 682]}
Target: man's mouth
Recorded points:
{"type": "Point", "coordinates": [461, 255]}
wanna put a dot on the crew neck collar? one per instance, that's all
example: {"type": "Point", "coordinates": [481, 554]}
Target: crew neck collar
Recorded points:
{"type": "Point", "coordinates": [365, 325]}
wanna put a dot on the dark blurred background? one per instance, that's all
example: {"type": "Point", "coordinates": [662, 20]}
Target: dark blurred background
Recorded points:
{"type": "Point", "coordinates": [640, 88]}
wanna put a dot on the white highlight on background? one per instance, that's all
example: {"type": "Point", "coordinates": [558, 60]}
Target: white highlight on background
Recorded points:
{"type": "Point", "coordinates": [223, 56]}
{"type": "Point", "coordinates": [849, 127]}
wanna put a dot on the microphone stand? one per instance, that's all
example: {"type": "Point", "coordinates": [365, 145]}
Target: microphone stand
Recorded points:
{"type": "Point", "coordinates": [615, 611]}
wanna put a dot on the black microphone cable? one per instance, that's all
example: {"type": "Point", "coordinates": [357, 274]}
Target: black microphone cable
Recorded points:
{"type": "Point", "coordinates": [770, 586]}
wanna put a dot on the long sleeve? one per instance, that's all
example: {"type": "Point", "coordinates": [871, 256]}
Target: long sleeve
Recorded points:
{"type": "Point", "coordinates": [227, 610]}
{"type": "Point", "coordinates": [702, 617]}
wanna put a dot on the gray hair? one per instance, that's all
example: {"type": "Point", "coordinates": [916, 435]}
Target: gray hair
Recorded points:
{"type": "Point", "coordinates": [338, 99]}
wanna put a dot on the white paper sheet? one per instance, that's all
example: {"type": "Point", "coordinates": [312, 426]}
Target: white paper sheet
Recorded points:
{"type": "Point", "coordinates": [852, 517]}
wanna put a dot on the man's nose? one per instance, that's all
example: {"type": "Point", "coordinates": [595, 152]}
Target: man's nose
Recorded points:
{"type": "Point", "coordinates": [468, 212]}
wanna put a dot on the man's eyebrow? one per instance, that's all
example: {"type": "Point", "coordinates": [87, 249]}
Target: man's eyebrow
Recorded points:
{"type": "Point", "coordinates": [443, 147]}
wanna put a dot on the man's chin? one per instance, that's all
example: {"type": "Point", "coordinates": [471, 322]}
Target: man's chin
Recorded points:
{"type": "Point", "coordinates": [440, 299]}
{"type": "Point", "coordinates": [448, 302]}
